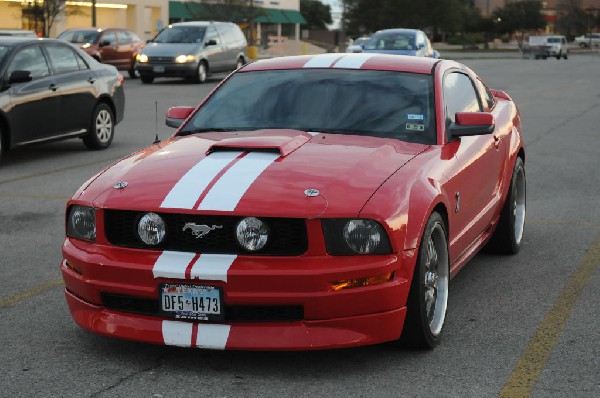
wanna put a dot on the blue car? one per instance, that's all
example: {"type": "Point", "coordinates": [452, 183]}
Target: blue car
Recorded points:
{"type": "Point", "coordinates": [402, 42]}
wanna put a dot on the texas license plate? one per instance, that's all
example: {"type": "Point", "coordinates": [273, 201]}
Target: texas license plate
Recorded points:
{"type": "Point", "coordinates": [191, 301]}
{"type": "Point", "coordinates": [159, 69]}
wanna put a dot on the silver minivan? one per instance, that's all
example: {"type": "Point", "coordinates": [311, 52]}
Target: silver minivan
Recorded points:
{"type": "Point", "coordinates": [192, 50]}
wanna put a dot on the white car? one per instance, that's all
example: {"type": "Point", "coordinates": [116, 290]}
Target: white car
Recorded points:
{"type": "Point", "coordinates": [585, 40]}
{"type": "Point", "coordinates": [356, 46]}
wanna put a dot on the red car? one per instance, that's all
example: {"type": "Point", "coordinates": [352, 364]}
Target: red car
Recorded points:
{"type": "Point", "coordinates": [309, 202]}
{"type": "Point", "coordinates": [114, 46]}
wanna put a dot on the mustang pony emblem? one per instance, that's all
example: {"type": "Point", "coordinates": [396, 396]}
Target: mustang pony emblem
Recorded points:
{"type": "Point", "coordinates": [199, 230]}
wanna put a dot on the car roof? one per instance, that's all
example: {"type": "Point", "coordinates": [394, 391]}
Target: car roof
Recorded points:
{"type": "Point", "coordinates": [199, 23]}
{"type": "Point", "coordinates": [18, 40]}
{"type": "Point", "coordinates": [364, 61]}
{"type": "Point", "coordinates": [398, 30]}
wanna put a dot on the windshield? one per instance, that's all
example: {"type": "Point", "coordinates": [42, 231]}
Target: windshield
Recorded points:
{"type": "Point", "coordinates": [181, 34]}
{"type": "Point", "coordinates": [359, 102]}
{"type": "Point", "coordinates": [3, 51]}
{"type": "Point", "coordinates": [391, 41]}
{"type": "Point", "coordinates": [80, 36]}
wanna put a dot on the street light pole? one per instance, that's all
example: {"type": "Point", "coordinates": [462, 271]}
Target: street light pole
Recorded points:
{"type": "Point", "coordinates": [93, 13]}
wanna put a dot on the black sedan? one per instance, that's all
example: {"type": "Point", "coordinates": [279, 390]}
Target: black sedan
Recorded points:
{"type": "Point", "coordinates": [50, 90]}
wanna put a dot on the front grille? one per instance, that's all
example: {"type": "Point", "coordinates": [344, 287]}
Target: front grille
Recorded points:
{"type": "Point", "coordinates": [161, 60]}
{"type": "Point", "coordinates": [287, 236]}
{"type": "Point", "coordinates": [233, 313]}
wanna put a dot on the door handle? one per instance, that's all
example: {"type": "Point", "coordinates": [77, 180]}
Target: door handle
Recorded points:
{"type": "Point", "coordinates": [53, 87]}
{"type": "Point", "coordinates": [91, 80]}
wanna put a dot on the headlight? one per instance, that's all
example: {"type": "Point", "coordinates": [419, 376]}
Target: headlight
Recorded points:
{"type": "Point", "coordinates": [182, 59]}
{"type": "Point", "coordinates": [151, 229]}
{"type": "Point", "coordinates": [141, 58]}
{"type": "Point", "coordinates": [81, 223]}
{"type": "Point", "coordinates": [355, 236]}
{"type": "Point", "coordinates": [252, 234]}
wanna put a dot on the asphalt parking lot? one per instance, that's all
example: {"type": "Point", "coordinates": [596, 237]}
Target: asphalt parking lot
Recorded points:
{"type": "Point", "coordinates": [525, 325]}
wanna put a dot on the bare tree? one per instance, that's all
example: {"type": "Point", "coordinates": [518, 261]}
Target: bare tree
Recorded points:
{"type": "Point", "coordinates": [44, 13]}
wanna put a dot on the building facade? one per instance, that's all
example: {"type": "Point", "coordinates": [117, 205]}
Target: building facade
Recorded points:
{"type": "Point", "coordinates": [145, 17]}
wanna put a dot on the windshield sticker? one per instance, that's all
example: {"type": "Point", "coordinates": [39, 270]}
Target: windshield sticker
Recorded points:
{"type": "Point", "coordinates": [415, 127]}
{"type": "Point", "coordinates": [414, 116]}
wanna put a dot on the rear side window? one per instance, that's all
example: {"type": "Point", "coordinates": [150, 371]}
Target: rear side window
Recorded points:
{"type": "Point", "coordinates": [459, 95]}
{"type": "Point", "coordinates": [63, 59]}
{"type": "Point", "coordinates": [109, 37]}
{"type": "Point", "coordinates": [30, 59]}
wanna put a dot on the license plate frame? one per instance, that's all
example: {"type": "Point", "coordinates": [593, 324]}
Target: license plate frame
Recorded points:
{"type": "Point", "coordinates": [158, 69]}
{"type": "Point", "coordinates": [180, 301]}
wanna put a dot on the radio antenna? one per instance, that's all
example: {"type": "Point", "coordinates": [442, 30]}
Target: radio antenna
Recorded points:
{"type": "Point", "coordinates": [156, 139]}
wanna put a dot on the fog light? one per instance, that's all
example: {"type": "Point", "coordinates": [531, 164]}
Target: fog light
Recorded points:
{"type": "Point", "coordinates": [151, 229]}
{"type": "Point", "coordinates": [252, 234]}
{"type": "Point", "coordinates": [361, 282]}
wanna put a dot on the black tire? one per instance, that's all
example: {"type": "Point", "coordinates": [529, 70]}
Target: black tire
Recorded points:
{"type": "Point", "coordinates": [508, 235]}
{"type": "Point", "coordinates": [428, 296]}
{"type": "Point", "coordinates": [558, 56]}
{"type": "Point", "coordinates": [201, 72]}
{"type": "Point", "coordinates": [1, 141]}
{"type": "Point", "coordinates": [102, 128]}
{"type": "Point", "coordinates": [147, 79]}
{"type": "Point", "coordinates": [132, 73]}
{"type": "Point", "coordinates": [566, 56]}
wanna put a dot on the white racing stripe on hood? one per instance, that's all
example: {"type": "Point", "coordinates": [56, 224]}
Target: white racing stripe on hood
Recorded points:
{"type": "Point", "coordinates": [212, 336]}
{"type": "Point", "coordinates": [322, 61]}
{"type": "Point", "coordinates": [177, 333]}
{"type": "Point", "coordinates": [229, 189]}
{"type": "Point", "coordinates": [172, 264]}
{"type": "Point", "coordinates": [354, 62]}
{"type": "Point", "coordinates": [189, 188]}
{"type": "Point", "coordinates": [212, 267]}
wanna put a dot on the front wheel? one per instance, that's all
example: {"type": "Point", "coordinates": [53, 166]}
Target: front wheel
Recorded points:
{"type": "Point", "coordinates": [201, 73]}
{"type": "Point", "coordinates": [508, 235]}
{"type": "Point", "coordinates": [146, 79]}
{"type": "Point", "coordinates": [102, 127]}
{"type": "Point", "coordinates": [428, 296]}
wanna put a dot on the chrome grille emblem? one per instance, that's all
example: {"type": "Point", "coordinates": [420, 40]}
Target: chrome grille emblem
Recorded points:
{"type": "Point", "coordinates": [199, 231]}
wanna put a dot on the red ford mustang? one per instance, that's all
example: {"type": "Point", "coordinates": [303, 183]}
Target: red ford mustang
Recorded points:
{"type": "Point", "coordinates": [309, 202]}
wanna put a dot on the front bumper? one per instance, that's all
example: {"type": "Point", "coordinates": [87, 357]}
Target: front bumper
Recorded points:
{"type": "Point", "coordinates": [331, 319]}
{"type": "Point", "coordinates": [167, 69]}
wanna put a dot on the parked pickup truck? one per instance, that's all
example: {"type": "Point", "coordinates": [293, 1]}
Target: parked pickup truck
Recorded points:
{"type": "Point", "coordinates": [546, 46]}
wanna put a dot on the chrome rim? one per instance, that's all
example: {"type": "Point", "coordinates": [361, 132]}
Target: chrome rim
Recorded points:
{"type": "Point", "coordinates": [104, 126]}
{"type": "Point", "coordinates": [435, 295]}
{"type": "Point", "coordinates": [201, 72]}
{"type": "Point", "coordinates": [519, 205]}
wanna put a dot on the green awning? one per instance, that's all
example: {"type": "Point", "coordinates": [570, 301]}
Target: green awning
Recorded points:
{"type": "Point", "coordinates": [294, 17]}
{"type": "Point", "coordinates": [192, 10]}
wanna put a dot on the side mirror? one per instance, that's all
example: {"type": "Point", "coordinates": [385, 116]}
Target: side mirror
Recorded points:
{"type": "Point", "coordinates": [211, 42]}
{"type": "Point", "coordinates": [104, 43]}
{"type": "Point", "coordinates": [177, 114]}
{"type": "Point", "coordinates": [472, 123]}
{"type": "Point", "coordinates": [20, 76]}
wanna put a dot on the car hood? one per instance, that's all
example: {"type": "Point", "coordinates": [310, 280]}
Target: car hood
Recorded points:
{"type": "Point", "coordinates": [170, 49]}
{"type": "Point", "coordinates": [273, 173]}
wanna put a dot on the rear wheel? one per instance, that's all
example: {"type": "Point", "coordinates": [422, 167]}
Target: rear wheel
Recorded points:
{"type": "Point", "coordinates": [240, 62]}
{"type": "Point", "coordinates": [566, 56]}
{"type": "Point", "coordinates": [428, 297]}
{"type": "Point", "coordinates": [147, 79]}
{"type": "Point", "coordinates": [509, 232]}
{"type": "Point", "coordinates": [101, 131]}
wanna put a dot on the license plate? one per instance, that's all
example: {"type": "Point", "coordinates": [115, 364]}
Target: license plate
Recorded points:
{"type": "Point", "coordinates": [191, 301]}
{"type": "Point", "coordinates": [159, 69]}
